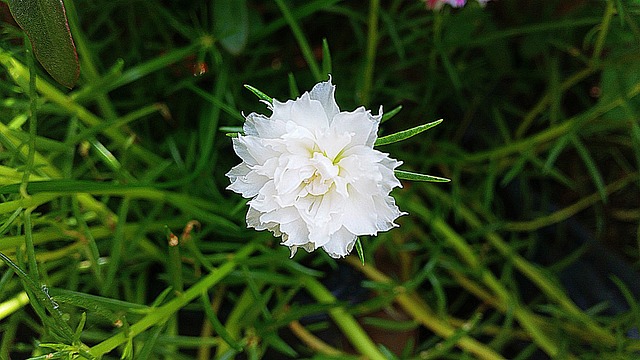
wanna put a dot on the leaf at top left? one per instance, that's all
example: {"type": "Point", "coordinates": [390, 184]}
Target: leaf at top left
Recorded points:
{"type": "Point", "coordinates": [46, 24]}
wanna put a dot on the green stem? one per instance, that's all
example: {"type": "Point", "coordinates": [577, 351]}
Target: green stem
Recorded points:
{"type": "Point", "coordinates": [197, 207]}
{"type": "Point", "coordinates": [33, 119]}
{"type": "Point", "coordinates": [117, 245]}
{"type": "Point", "coordinates": [415, 307]}
{"type": "Point", "coordinates": [88, 60]}
{"type": "Point", "coordinates": [133, 116]}
{"type": "Point", "coordinates": [521, 313]}
{"type": "Point", "coordinates": [604, 29]}
{"type": "Point", "coordinates": [307, 53]}
{"type": "Point", "coordinates": [31, 201]}
{"type": "Point", "coordinates": [12, 305]}
{"type": "Point", "coordinates": [345, 321]}
{"type": "Point", "coordinates": [544, 102]}
{"type": "Point", "coordinates": [43, 236]}
{"type": "Point", "coordinates": [569, 211]}
{"type": "Point", "coordinates": [542, 138]}
{"type": "Point", "coordinates": [372, 45]}
{"type": "Point", "coordinates": [549, 288]}
{"type": "Point", "coordinates": [233, 326]}
{"type": "Point", "coordinates": [28, 243]}
{"type": "Point", "coordinates": [162, 313]}
{"type": "Point", "coordinates": [20, 75]}
{"type": "Point", "coordinates": [93, 253]}
{"type": "Point", "coordinates": [44, 167]}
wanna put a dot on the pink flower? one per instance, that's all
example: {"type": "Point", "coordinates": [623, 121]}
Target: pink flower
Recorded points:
{"type": "Point", "coordinates": [437, 4]}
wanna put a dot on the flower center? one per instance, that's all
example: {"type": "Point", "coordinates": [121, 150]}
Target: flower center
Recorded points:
{"type": "Point", "coordinates": [323, 176]}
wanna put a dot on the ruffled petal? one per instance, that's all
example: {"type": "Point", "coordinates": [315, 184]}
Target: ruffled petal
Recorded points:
{"type": "Point", "coordinates": [309, 114]}
{"type": "Point", "coordinates": [360, 124]}
{"type": "Point", "coordinates": [340, 244]}
{"type": "Point", "coordinates": [324, 92]}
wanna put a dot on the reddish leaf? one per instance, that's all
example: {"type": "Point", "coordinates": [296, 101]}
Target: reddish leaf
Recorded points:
{"type": "Point", "coordinates": [45, 22]}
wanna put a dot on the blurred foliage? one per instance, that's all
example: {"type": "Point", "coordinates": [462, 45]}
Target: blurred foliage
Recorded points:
{"type": "Point", "coordinates": [119, 240]}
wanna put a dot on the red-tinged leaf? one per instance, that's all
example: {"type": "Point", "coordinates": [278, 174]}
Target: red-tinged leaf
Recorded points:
{"type": "Point", "coordinates": [45, 22]}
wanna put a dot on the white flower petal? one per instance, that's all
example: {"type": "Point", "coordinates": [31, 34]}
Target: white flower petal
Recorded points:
{"type": "Point", "coordinates": [297, 233]}
{"type": "Point", "coordinates": [360, 123]}
{"type": "Point", "coordinates": [251, 150]}
{"type": "Point", "coordinates": [263, 127]}
{"type": "Point", "coordinates": [244, 181]}
{"type": "Point", "coordinates": [309, 114]}
{"type": "Point", "coordinates": [325, 93]}
{"type": "Point", "coordinates": [341, 244]}
{"type": "Point", "coordinates": [359, 215]}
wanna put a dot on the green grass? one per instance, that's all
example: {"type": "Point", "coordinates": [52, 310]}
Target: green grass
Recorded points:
{"type": "Point", "coordinates": [540, 103]}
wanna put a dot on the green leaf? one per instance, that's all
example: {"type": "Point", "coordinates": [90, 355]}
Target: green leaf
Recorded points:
{"type": "Point", "coordinates": [80, 327]}
{"type": "Point", "coordinates": [390, 114]}
{"type": "Point", "coordinates": [217, 325]}
{"type": "Point", "coordinates": [403, 135]}
{"type": "Point", "coordinates": [359, 250]}
{"type": "Point", "coordinates": [592, 167]}
{"type": "Point", "coordinates": [406, 175]}
{"type": "Point", "coordinates": [41, 295]}
{"type": "Point", "coordinates": [280, 345]}
{"type": "Point", "coordinates": [326, 58]}
{"type": "Point", "coordinates": [293, 87]}
{"type": "Point", "coordinates": [259, 94]}
{"type": "Point", "coordinates": [231, 24]}
{"type": "Point", "coordinates": [231, 129]}
{"type": "Point", "coordinates": [45, 22]}
{"type": "Point", "coordinates": [391, 325]}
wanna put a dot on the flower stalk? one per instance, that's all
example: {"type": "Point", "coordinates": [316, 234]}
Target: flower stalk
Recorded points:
{"type": "Point", "coordinates": [345, 321]}
{"type": "Point", "coordinates": [160, 314]}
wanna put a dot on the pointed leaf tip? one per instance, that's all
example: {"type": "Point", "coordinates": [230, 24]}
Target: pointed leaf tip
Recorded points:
{"type": "Point", "coordinates": [407, 175]}
{"type": "Point", "coordinates": [359, 250]}
{"type": "Point", "coordinates": [259, 94]}
{"type": "Point", "coordinates": [403, 135]}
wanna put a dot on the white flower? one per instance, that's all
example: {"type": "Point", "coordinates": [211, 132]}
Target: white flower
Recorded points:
{"type": "Point", "coordinates": [312, 173]}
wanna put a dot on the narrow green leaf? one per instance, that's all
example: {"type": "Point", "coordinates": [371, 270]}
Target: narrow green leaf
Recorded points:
{"type": "Point", "coordinates": [259, 94]}
{"type": "Point", "coordinates": [557, 149]}
{"type": "Point", "coordinates": [80, 327]}
{"type": "Point", "coordinates": [516, 168]}
{"type": "Point", "coordinates": [438, 351]}
{"type": "Point", "coordinates": [231, 129]}
{"type": "Point", "coordinates": [403, 135]}
{"type": "Point", "coordinates": [406, 175]}
{"type": "Point", "coordinates": [592, 168]}
{"type": "Point", "coordinates": [359, 250]}
{"type": "Point", "coordinates": [45, 22]}
{"type": "Point", "coordinates": [390, 114]}
{"type": "Point", "coordinates": [620, 11]}
{"type": "Point", "coordinates": [293, 87]}
{"type": "Point", "coordinates": [628, 296]}
{"type": "Point", "coordinates": [41, 296]}
{"type": "Point", "coordinates": [98, 305]}
{"type": "Point", "coordinates": [149, 343]}
{"type": "Point", "coordinates": [217, 325]}
{"type": "Point", "coordinates": [391, 325]}
{"type": "Point", "coordinates": [326, 58]}
{"type": "Point", "coordinates": [301, 39]}
{"type": "Point", "coordinates": [231, 24]}
{"type": "Point", "coordinates": [280, 345]}
{"type": "Point", "coordinates": [162, 297]}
